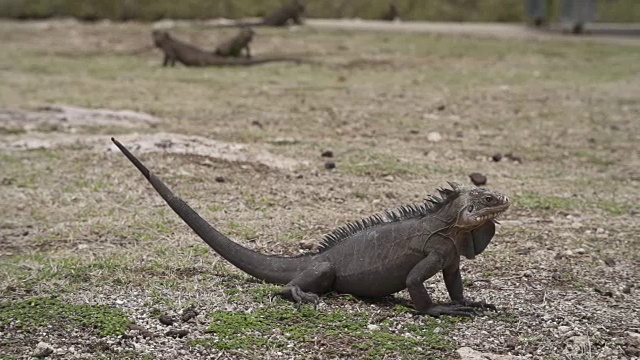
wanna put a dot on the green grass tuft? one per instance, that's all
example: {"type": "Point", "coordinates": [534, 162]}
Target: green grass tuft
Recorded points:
{"type": "Point", "coordinates": [31, 314]}
{"type": "Point", "coordinates": [275, 326]}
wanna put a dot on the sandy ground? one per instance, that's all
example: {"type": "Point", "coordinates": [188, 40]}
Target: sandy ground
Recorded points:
{"type": "Point", "coordinates": [401, 113]}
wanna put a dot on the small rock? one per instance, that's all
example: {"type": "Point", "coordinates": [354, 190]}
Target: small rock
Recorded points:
{"type": "Point", "coordinates": [615, 127]}
{"type": "Point", "coordinates": [512, 342]}
{"type": "Point", "coordinates": [604, 293]}
{"type": "Point", "coordinates": [610, 262]}
{"type": "Point", "coordinates": [434, 136]}
{"type": "Point", "coordinates": [373, 327]}
{"type": "Point", "coordinates": [329, 165]}
{"type": "Point", "coordinates": [220, 179]}
{"type": "Point", "coordinates": [188, 314]}
{"type": "Point", "coordinates": [563, 329]}
{"type": "Point", "coordinates": [306, 244]}
{"type": "Point", "coordinates": [342, 78]}
{"type": "Point", "coordinates": [166, 320]}
{"type": "Point", "coordinates": [327, 154]}
{"type": "Point", "coordinates": [414, 131]}
{"type": "Point", "coordinates": [441, 107]}
{"type": "Point", "coordinates": [177, 333]}
{"type": "Point", "coordinates": [626, 290]}
{"type": "Point", "coordinates": [257, 123]}
{"type": "Point", "coordinates": [299, 176]}
{"type": "Point", "coordinates": [478, 179]}
{"type": "Point", "coordinates": [580, 251]}
{"type": "Point", "coordinates": [496, 157]}
{"type": "Point", "coordinates": [42, 350]}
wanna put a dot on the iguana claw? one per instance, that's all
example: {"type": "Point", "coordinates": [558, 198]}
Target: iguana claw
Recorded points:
{"type": "Point", "coordinates": [477, 304]}
{"type": "Point", "coordinates": [452, 310]}
{"type": "Point", "coordinates": [295, 294]}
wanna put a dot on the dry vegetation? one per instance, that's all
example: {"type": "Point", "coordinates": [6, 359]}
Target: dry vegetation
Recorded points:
{"type": "Point", "coordinates": [86, 246]}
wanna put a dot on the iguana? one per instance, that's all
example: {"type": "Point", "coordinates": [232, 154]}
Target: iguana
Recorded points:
{"type": "Point", "coordinates": [373, 257]}
{"type": "Point", "coordinates": [280, 17]}
{"type": "Point", "coordinates": [189, 55]}
{"type": "Point", "coordinates": [391, 13]}
{"type": "Point", "coordinates": [233, 47]}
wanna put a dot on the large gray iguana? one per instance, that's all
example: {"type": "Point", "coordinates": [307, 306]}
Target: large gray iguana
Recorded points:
{"type": "Point", "coordinates": [190, 55]}
{"type": "Point", "coordinates": [373, 257]}
{"type": "Point", "coordinates": [282, 16]}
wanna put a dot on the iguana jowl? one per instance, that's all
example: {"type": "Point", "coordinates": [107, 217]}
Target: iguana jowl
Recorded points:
{"type": "Point", "coordinates": [373, 257]}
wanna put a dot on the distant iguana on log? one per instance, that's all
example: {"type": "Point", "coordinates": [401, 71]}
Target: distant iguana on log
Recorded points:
{"type": "Point", "coordinates": [234, 46]}
{"type": "Point", "coordinates": [280, 17]}
{"type": "Point", "coordinates": [189, 55]}
{"type": "Point", "coordinates": [373, 257]}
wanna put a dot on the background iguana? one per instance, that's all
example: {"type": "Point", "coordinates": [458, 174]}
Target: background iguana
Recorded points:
{"type": "Point", "coordinates": [189, 55]}
{"type": "Point", "coordinates": [391, 13]}
{"type": "Point", "coordinates": [234, 46]}
{"type": "Point", "coordinates": [373, 257]}
{"type": "Point", "coordinates": [291, 12]}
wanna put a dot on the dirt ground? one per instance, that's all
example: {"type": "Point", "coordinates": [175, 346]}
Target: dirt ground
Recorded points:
{"type": "Point", "coordinates": [94, 265]}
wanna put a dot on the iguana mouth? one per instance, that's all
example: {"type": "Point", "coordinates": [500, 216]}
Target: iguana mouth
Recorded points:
{"type": "Point", "coordinates": [495, 212]}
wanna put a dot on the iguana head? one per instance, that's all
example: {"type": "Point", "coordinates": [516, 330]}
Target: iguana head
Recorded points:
{"type": "Point", "coordinates": [159, 37]}
{"type": "Point", "coordinates": [480, 205]}
{"type": "Point", "coordinates": [472, 213]}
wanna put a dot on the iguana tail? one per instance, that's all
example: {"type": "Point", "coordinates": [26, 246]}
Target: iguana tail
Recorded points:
{"type": "Point", "coordinates": [273, 269]}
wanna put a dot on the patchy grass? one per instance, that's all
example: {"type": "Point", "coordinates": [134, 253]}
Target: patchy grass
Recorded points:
{"type": "Point", "coordinates": [33, 313]}
{"type": "Point", "coordinates": [82, 224]}
{"type": "Point", "coordinates": [276, 326]}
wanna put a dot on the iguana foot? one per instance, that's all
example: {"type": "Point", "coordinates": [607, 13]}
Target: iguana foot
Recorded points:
{"type": "Point", "coordinates": [295, 294]}
{"type": "Point", "coordinates": [477, 304]}
{"type": "Point", "coordinates": [453, 310]}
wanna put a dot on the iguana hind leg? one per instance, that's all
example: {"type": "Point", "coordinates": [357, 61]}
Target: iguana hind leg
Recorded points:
{"type": "Point", "coordinates": [317, 278]}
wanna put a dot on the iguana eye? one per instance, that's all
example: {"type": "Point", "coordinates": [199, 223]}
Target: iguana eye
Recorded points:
{"type": "Point", "coordinates": [488, 198]}
{"type": "Point", "coordinates": [470, 208]}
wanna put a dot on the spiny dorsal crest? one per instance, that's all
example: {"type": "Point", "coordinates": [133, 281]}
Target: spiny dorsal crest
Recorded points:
{"type": "Point", "coordinates": [429, 206]}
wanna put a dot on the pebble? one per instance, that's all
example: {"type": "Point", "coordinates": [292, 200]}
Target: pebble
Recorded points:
{"type": "Point", "coordinates": [327, 154]}
{"type": "Point", "coordinates": [434, 136]}
{"type": "Point", "coordinates": [564, 329]}
{"type": "Point", "coordinates": [441, 107]}
{"type": "Point", "coordinates": [220, 179]}
{"type": "Point", "coordinates": [610, 262]}
{"type": "Point", "coordinates": [42, 350]}
{"type": "Point", "coordinates": [329, 165]}
{"type": "Point", "coordinates": [373, 327]}
{"type": "Point", "coordinates": [496, 157]}
{"type": "Point", "coordinates": [306, 244]}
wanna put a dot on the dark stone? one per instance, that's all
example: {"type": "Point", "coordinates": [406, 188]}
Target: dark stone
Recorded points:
{"type": "Point", "coordinates": [329, 165]}
{"type": "Point", "coordinates": [220, 179]}
{"type": "Point", "coordinates": [177, 333]}
{"type": "Point", "coordinates": [441, 107]}
{"type": "Point", "coordinates": [257, 123]}
{"type": "Point", "coordinates": [496, 157]}
{"type": "Point", "coordinates": [188, 314]}
{"type": "Point", "coordinates": [478, 179]}
{"type": "Point", "coordinates": [166, 320]}
{"type": "Point", "coordinates": [327, 154]}
{"type": "Point", "coordinates": [610, 262]}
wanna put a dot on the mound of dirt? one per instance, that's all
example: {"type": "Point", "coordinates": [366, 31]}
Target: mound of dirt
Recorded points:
{"type": "Point", "coordinates": [67, 118]}
{"type": "Point", "coordinates": [157, 142]}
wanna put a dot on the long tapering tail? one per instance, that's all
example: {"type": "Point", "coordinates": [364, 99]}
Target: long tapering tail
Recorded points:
{"type": "Point", "coordinates": [273, 269]}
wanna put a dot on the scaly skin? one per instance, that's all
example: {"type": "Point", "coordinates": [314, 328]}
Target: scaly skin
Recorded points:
{"type": "Point", "coordinates": [373, 257]}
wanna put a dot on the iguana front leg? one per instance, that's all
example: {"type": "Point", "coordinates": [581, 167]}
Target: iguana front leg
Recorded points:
{"type": "Point", "coordinates": [453, 281]}
{"type": "Point", "coordinates": [315, 279]}
{"type": "Point", "coordinates": [247, 51]}
{"type": "Point", "coordinates": [425, 269]}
